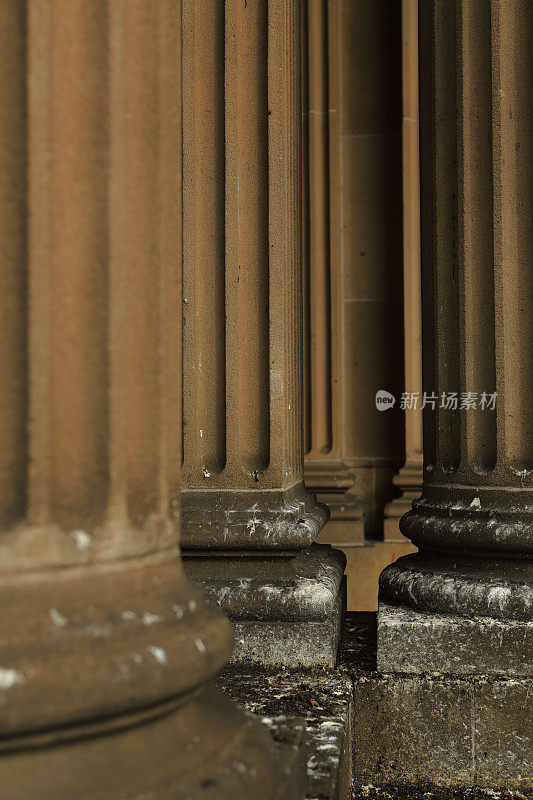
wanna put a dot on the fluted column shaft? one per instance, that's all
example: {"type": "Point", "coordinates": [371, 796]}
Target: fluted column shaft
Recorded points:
{"type": "Point", "coordinates": [243, 490]}
{"type": "Point", "coordinates": [104, 645]}
{"type": "Point", "coordinates": [242, 450]}
{"type": "Point", "coordinates": [324, 429]}
{"type": "Point", "coordinates": [473, 523]}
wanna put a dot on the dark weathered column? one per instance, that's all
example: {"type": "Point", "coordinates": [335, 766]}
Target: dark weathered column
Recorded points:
{"type": "Point", "coordinates": [243, 491]}
{"type": "Point", "coordinates": [467, 596]}
{"type": "Point", "coordinates": [104, 646]}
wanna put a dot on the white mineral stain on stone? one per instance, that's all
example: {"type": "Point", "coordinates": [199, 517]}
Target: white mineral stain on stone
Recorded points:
{"type": "Point", "coordinates": [499, 595]}
{"type": "Point", "coordinates": [98, 631]}
{"type": "Point", "coordinates": [82, 540]}
{"type": "Point", "coordinates": [128, 615]}
{"type": "Point", "coordinates": [159, 654]}
{"type": "Point", "coordinates": [192, 606]}
{"type": "Point", "coordinates": [476, 503]}
{"type": "Point", "coordinates": [178, 611]}
{"type": "Point", "coordinates": [57, 618]}
{"type": "Point", "coordinates": [149, 619]}
{"type": "Point", "coordinates": [10, 677]}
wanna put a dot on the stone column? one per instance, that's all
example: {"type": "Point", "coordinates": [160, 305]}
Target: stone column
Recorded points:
{"type": "Point", "coordinates": [104, 646]}
{"type": "Point", "coordinates": [325, 421]}
{"type": "Point", "coordinates": [467, 596]}
{"type": "Point", "coordinates": [243, 491]}
{"type": "Point", "coordinates": [353, 302]}
{"type": "Point", "coordinates": [409, 479]}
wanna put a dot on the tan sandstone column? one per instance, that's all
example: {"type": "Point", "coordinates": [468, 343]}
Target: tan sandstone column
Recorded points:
{"type": "Point", "coordinates": [409, 479]}
{"type": "Point", "coordinates": [243, 491]}
{"type": "Point", "coordinates": [104, 646]}
{"type": "Point", "coordinates": [466, 598]}
{"type": "Point", "coordinates": [325, 420]}
{"type": "Point", "coordinates": [353, 303]}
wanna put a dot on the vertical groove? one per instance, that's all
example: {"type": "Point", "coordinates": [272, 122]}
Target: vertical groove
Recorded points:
{"type": "Point", "coordinates": [427, 230]}
{"type": "Point", "coordinates": [39, 260]}
{"type": "Point", "coordinates": [335, 230]}
{"type": "Point", "coordinates": [306, 255]}
{"type": "Point", "coordinates": [446, 281]}
{"type": "Point", "coordinates": [170, 163]}
{"type": "Point", "coordinates": [13, 249]}
{"type": "Point", "coordinates": [475, 231]}
{"type": "Point", "coordinates": [142, 244]}
{"type": "Point", "coordinates": [118, 488]}
{"type": "Point", "coordinates": [320, 349]}
{"type": "Point", "coordinates": [204, 235]}
{"type": "Point", "coordinates": [513, 168]}
{"type": "Point", "coordinates": [68, 323]}
{"type": "Point", "coordinates": [285, 238]}
{"type": "Point", "coordinates": [247, 258]}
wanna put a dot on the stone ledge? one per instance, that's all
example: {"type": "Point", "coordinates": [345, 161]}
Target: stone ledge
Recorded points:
{"type": "Point", "coordinates": [411, 641]}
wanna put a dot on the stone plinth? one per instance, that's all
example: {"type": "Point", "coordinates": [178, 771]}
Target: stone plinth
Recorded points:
{"type": "Point", "coordinates": [286, 612]}
{"type": "Point", "coordinates": [433, 734]}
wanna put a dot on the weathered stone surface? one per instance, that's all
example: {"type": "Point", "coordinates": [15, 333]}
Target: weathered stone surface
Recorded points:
{"type": "Point", "coordinates": [436, 730]}
{"type": "Point", "coordinates": [105, 647]}
{"type": "Point", "coordinates": [416, 641]}
{"type": "Point", "coordinates": [286, 611]}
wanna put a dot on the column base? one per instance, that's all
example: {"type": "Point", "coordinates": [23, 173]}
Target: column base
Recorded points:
{"type": "Point", "coordinates": [250, 521]}
{"type": "Point", "coordinates": [333, 486]}
{"type": "Point", "coordinates": [413, 641]}
{"type": "Point", "coordinates": [207, 748]}
{"type": "Point", "coordinates": [286, 611]}
{"type": "Point", "coordinates": [436, 735]}
{"type": "Point", "coordinates": [454, 614]}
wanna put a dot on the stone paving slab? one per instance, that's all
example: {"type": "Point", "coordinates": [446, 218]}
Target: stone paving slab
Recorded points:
{"type": "Point", "coordinates": [323, 698]}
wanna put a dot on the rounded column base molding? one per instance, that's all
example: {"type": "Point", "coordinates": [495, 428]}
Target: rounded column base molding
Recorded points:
{"type": "Point", "coordinates": [487, 520]}
{"type": "Point", "coordinates": [86, 651]}
{"type": "Point", "coordinates": [274, 520]}
{"type": "Point", "coordinates": [454, 585]}
{"type": "Point", "coordinates": [205, 748]}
